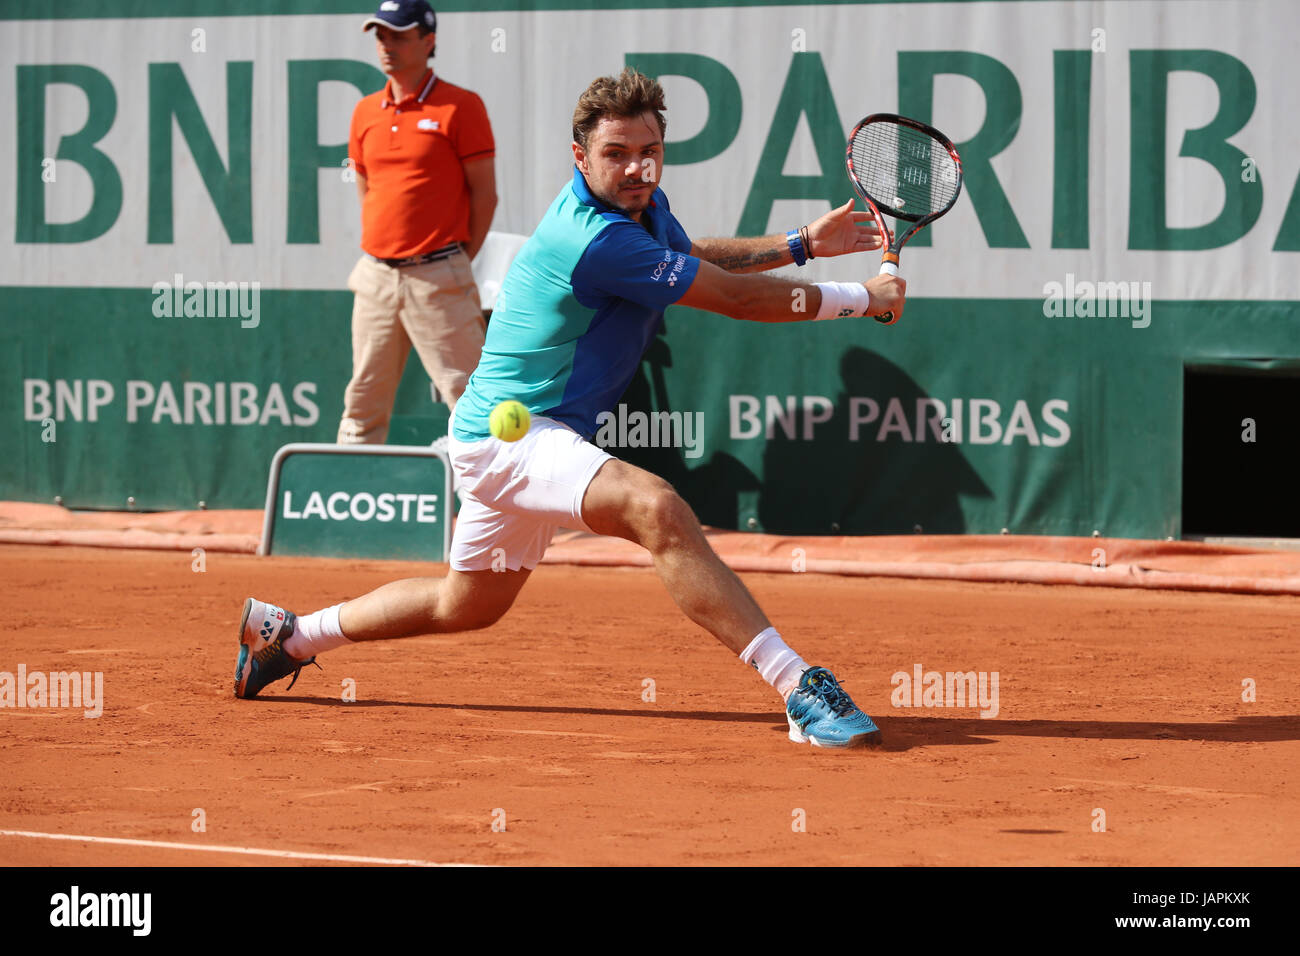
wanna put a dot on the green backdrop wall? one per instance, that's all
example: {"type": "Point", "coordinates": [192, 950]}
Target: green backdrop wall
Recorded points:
{"type": "Point", "coordinates": [1134, 160]}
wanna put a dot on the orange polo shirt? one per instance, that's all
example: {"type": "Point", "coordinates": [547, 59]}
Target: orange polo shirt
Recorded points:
{"type": "Point", "coordinates": [411, 154]}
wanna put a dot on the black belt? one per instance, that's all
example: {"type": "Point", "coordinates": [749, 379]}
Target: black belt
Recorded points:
{"type": "Point", "coordinates": [446, 252]}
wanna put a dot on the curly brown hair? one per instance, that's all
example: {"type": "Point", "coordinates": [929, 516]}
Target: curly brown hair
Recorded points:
{"type": "Point", "coordinates": [628, 94]}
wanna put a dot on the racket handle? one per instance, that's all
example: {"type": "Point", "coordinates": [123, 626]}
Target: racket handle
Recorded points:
{"type": "Point", "coordinates": [887, 268]}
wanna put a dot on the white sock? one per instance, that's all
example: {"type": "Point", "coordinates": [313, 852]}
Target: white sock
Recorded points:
{"type": "Point", "coordinates": [316, 634]}
{"type": "Point", "coordinates": [778, 664]}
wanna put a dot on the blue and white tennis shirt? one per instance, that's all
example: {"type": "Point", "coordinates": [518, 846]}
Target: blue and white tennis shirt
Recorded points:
{"type": "Point", "coordinates": [577, 310]}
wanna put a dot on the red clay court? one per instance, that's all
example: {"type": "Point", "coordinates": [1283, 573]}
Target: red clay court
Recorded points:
{"type": "Point", "coordinates": [1124, 700]}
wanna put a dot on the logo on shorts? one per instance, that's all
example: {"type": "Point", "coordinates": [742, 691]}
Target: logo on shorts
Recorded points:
{"type": "Point", "coordinates": [428, 124]}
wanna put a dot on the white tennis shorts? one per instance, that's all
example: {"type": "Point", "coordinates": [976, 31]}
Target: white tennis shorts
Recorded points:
{"type": "Point", "coordinates": [516, 495]}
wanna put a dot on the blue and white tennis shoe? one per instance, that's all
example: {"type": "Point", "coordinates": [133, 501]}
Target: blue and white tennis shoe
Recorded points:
{"type": "Point", "coordinates": [822, 714]}
{"type": "Point", "coordinates": [262, 659]}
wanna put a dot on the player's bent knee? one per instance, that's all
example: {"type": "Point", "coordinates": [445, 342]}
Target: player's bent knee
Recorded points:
{"type": "Point", "coordinates": [456, 610]}
{"type": "Point", "coordinates": [487, 615]}
{"type": "Point", "coordinates": [477, 622]}
{"type": "Point", "coordinates": [666, 518]}
{"type": "Point", "coordinates": [470, 618]}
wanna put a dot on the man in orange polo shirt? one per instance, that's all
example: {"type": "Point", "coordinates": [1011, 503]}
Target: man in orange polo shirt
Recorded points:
{"type": "Point", "coordinates": [423, 151]}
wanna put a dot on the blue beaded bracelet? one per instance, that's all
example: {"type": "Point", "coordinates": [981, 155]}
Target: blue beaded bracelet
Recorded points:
{"type": "Point", "coordinates": [797, 251]}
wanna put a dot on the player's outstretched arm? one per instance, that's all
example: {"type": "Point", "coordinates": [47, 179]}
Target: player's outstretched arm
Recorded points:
{"type": "Point", "coordinates": [839, 232]}
{"type": "Point", "coordinates": [775, 299]}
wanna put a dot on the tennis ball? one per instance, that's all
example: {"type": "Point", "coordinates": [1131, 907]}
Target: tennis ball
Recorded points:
{"type": "Point", "coordinates": [509, 421]}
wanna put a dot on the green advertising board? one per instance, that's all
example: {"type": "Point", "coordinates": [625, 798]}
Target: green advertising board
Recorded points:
{"type": "Point", "coordinates": [179, 221]}
{"type": "Point", "coordinates": [358, 501]}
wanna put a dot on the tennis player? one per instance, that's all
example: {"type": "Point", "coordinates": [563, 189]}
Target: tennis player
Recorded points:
{"type": "Point", "coordinates": [576, 312]}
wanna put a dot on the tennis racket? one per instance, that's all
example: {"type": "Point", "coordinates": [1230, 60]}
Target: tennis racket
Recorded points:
{"type": "Point", "coordinates": [905, 169]}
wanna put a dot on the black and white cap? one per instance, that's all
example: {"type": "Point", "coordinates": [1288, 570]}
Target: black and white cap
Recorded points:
{"type": "Point", "coordinates": [403, 15]}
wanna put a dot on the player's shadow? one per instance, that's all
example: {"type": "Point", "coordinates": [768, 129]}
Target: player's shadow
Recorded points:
{"type": "Point", "coordinates": [712, 489]}
{"type": "Point", "coordinates": [728, 716]}
{"type": "Point", "coordinates": [900, 733]}
{"type": "Point", "coordinates": [904, 733]}
{"type": "Point", "coordinates": [878, 465]}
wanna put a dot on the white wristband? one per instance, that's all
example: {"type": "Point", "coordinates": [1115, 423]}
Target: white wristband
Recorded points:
{"type": "Point", "coordinates": [842, 299]}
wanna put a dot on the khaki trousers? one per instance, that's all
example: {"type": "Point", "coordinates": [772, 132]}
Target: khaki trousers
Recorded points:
{"type": "Point", "coordinates": [433, 307]}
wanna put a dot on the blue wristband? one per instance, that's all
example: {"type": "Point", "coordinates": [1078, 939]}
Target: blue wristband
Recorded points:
{"type": "Point", "coordinates": [797, 251]}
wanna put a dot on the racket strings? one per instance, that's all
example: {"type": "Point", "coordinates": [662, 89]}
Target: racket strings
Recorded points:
{"type": "Point", "coordinates": [903, 170]}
